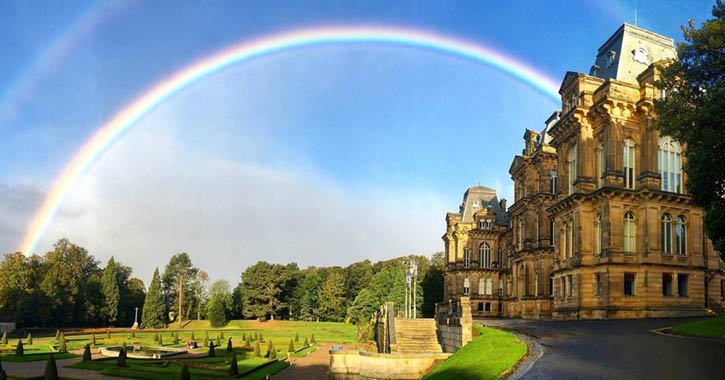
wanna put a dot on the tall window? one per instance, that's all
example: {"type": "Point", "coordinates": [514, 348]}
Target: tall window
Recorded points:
{"type": "Point", "coordinates": [489, 286]}
{"type": "Point", "coordinates": [521, 233]}
{"type": "Point", "coordinates": [570, 240]}
{"type": "Point", "coordinates": [629, 231]}
{"type": "Point", "coordinates": [553, 182]}
{"type": "Point", "coordinates": [551, 231]}
{"type": "Point", "coordinates": [597, 284]}
{"type": "Point", "coordinates": [600, 166]}
{"type": "Point", "coordinates": [598, 232]}
{"type": "Point", "coordinates": [666, 232]}
{"type": "Point", "coordinates": [500, 257]}
{"type": "Point", "coordinates": [551, 284]}
{"type": "Point", "coordinates": [466, 257]}
{"type": "Point", "coordinates": [629, 287]}
{"type": "Point", "coordinates": [629, 163]}
{"type": "Point", "coordinates": [484, 255]}
{"type": "Point", "coordinates": [572, 167]}
{"type": "Point", "coordinates": [563, 286]}
{"type": "Point", "coordinates": [481, 286]}
{"type": "Point", "coordinates": [682, 285]}
{"type": "Point", "coordinates": [680, 237]}
{"type": "Point", "coordinates": [666, 284]}
{"type": "Point", "coordinates": [564, 241]}
{"type": "Point", "coordinates": [466, 286]}
{"type": "Point", "coordinates": [670, 165]}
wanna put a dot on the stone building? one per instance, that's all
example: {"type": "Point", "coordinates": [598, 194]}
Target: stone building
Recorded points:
{"type": "Point", "coordinates": [602, 225]}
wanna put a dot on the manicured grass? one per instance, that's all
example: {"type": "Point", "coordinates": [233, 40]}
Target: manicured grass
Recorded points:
{"type": "Point", "coordinates": [707, 328]}
{"type": "Point", "coordinates": [486, 357]}
{"type": "Point", "coordinates": [32, 353]}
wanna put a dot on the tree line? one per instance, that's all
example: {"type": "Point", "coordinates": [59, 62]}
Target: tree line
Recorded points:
{"type": "Point", "coordinates": [74, 290]}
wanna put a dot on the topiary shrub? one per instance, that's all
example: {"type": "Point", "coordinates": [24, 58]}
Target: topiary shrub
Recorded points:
{"type": "Point", "coordinates": [312, 340]}
{"type": "Point", "coordinates": [3, 375]}
{"type": "Point", "coordinates": [273, 352]}
{"type": "Point", "coordinates": [306, 343]}
{"type": "Point", "coordinates": [62, 346]}
{"type": "Point", "coordinates": [87, 353]}
{"type": "Point", "coordinates": [233, 366]}
{"type": "Point", "coordinates": [270, 347]}
{"type": "Point", "coordinates": [297, 337]}
{"type": "Point", "coordinates": [57, 335]}
{"type": "Point", "coordinates": [121, 362]}
{"type": "Point", "coordinates": [4, 339]}
{"type": "Point", "coordinates": [161, 340]}
{"type": "Point", "coordinates": [19, 349]}
{"type": "Point", "coordinates": [212, 353]}
{"type": "Point", "coordinates": [51, 369]}
{"type": "Point", "coordinates": [29, 339]}
{"type": "Point", "coordinates": [291, 347]}
{"type": "Point", "coordinates": [93, 339]}
{"type": "Point", "coordinates": [108, 334]}
{"type": "Point", "coordinates": [229, 345]}
{"type": "Point", "coordinates": [221, 334]}
{"type": "Point", "coordinates": [133, 334]}
{"type": "Point", "coordinates": [192, 336]}
{"type": "Point", "coordinates": [257, 350]}
{"type": "Point", "coordinates": [185, 375]}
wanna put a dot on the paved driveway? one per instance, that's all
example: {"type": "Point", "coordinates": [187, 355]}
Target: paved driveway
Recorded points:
{"type": "Point", "coordinates": [620, 349]}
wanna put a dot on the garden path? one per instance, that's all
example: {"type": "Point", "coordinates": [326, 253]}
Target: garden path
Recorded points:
{"type": "Point", "coordinates": [312, 367]}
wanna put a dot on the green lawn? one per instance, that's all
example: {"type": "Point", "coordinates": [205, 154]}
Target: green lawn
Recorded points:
{"type": "Point", "coordinates": [708, 328]}
{"type": "Point", "coordinates": [486, 357]}
{"type": "Point", "coordinates": [32, 352]}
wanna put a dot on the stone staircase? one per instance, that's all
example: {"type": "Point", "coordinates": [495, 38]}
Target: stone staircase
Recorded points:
{"type": "Point", "coordinates": [415, 336]}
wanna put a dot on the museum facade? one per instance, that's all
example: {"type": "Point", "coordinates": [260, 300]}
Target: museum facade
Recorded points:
{"type": "Point", "coordinates": [602, 225]}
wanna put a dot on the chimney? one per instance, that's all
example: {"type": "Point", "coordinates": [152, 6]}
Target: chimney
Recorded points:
{"type": "Point", "coordinates": [502, 203]}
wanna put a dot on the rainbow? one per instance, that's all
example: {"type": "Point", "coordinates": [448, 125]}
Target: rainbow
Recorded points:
{"type": "Point", "coordinates": [121, 122]}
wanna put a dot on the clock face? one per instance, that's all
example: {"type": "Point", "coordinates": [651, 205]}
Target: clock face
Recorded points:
{"type": "Point", "coordinates": [640, 55]}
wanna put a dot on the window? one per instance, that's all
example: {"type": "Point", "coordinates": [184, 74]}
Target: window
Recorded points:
{"type": "Point", "coordinates": [600, 166]}
{"type": "Point", "coordinates": [480, 306]}
{"type": "Point", "coordinates": [629, 284]}
{"type": "Point", "coordinates": [484, 255]}
{"type": "Point", "coordinates": [563, 287]}
{"type": "Point", "coordinates": [597, 284]}
{"type": "Point", "coordinates": [680, 237]}
{"type": "Point", "coordinates": [629, 232]}
{"type": "Point", "coordinates": [569, 240]}
{"type": "Point", "coordinates": [500, 307]}
{"type": "Point", "coordinates": [629, 163]}
{"type": "Point", "coordinates": [564, 241]}
{"type": "Point", "coordinates": [521, 233]}
{"type": "Point", "coordinates": [500, 257]}
{"type": "Point", "coordinates": [666, 234]}
{"type": "Point", "coordinates": [488, 306]}
{"type": "Point", "coordinates": [572, 167]}
{"type": "Point", "coordinates": [553, 182]}
{"type": "Point", "coordinates": [670, 165]}
{"type": "Point", "coordinates": [551, 284]}
{"type": "Point", "coordinates": [666, 285]}
{"type": "Point", "coordinates": [466, 257]}
{"type": "Point", "coordinates": [570, 283]}
{"type": "Point", "coordinates": [466, 286]}
{"type": "Point", "coordinates": [551, 231]}
{"type": "Point", "coordinates": [682, 285]}
{"type": "Point", "coordinates": [489, 286]}
{"type": "Point", "coordinates": [598, 232]}
{"type": "Point", "coordinates": [481, 286]}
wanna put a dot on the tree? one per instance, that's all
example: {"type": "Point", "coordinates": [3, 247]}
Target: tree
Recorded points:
{"type": "Point", "coordinates": [257, 350]}
{"type": "Point", "coordinates": [19, 348]}
{"type": "Point", "coordinates": [262, 286]}
{"type": "Point", "coordinates": [180, 266]}
{"type": "Point", "coordinates": [87, 353]}
{"type": "Point", "coordinates": [234, 367]}
{"type": "Point", "coordinates": [111, 292]}
{"type": "Point", "coordinates": [200, 286]}
{"type": "Point", "coordinates": [154, 311]}
{"type": "Point", "coordinates": [216, 312]}
{"type": "Point", "coordinates": [185, 375]}
{"type": "Point", "coordinates": [357, 277]}
{"type": "Point", "coordinates": [693, 112]}
{"type": "Point", "coordinates": [51, 369]}
{"type": "Point", "coordinates": [237, 311]}
{"type": "Point", "coordinates": [309, 296]}
{"type": "Point", "coordinates": [220, 290]}
{"type": "Point", "coordinates": [432, 284]}
{"type": "Point", "coordinates": [136, 297]}
{"type": "Point", "coordinates": [230, 347]}
{"type": "Point", "coordinates": [212, 353]}
{"type": "Point", "coordinates": [121, 361]}
{"type": "Point", "coordinates": [331, 301]}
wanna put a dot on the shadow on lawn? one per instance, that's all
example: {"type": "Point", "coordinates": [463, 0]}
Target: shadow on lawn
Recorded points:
{"type": "Point", "coordinates": [454, 373]}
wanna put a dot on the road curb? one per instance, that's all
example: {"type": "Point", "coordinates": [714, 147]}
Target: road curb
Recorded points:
{"type": "Point", "coordinates": [534, 352]}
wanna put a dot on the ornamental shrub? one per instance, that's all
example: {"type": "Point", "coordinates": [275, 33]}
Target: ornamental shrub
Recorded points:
{"type": "Point", "coordinates": [185, 373]}
{"type": "Point", "coordinates": [297, 337]}
{"type": "Point", "coordinates": [257, 351]}
{"type": "Point", "coordinates": [229, 345]}
{"type": "Point", "coordinates": [87, 353]}
{"type": "Point", "coordinates": [93, 339]}
{"type": "Point", "coordinates": [30, 338]}
{"type": "Point", "coordinates": [234, 367]}
{"type": "Point", "coordinates": [19, 349]}
{"type": "Point", "coordinates": [61, 346]}
{"type": "Point", "coordinates": [212, 353]}
{"type": "Point", "coordinates": [121, 362]}
{"type": "Point", "coordinates": [291, 347]}
{"type": "Point", "coordinates": [51, 369]}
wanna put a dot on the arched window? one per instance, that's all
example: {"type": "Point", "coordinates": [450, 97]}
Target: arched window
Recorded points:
{"type": "Point", "coordinates": [484, 255]}
{"type": "Point", "coordinates": [681, 236]}
{"type": "Point", "coordinates": [466, 286]}
{"type": "Point", "coordinates": [670, 165]}
{"type": "Point", "coordinates": [572, 167]}
{"type": "Point", "coordinates": [629, 163]}
{"type": "Point", "coordinates": [629, 232]}
{"type": "Point", "coordinates": [598, 238]}
{"type": "Point", "coordinates": [666, 232]}
{"type": "Point", "coordinates": [466, 257]}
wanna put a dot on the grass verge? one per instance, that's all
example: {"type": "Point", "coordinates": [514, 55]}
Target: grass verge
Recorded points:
{"type": "Point", "coordinates": [706, 328]}
{"type": "Point", "coordinates": [486, 357]}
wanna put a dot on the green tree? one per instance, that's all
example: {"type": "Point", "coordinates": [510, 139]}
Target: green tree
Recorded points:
{"type": "Point", "coordinates": [111, 292]}
{"type": "Point", "coordinates": [135, 299]}
{"type": "Point", "coordinates": [357, 278]}
{"type": "Point", "coordinates": [51, 369]}
{"type": "Point", "coordinates": [87, 353]}
{"type": "Point", "coordinates": [693, 112]}
{"type": "Point", "coordinates": [219, 292]}
{"type": "Point", "coordinates": [180, 265]}
{"type": "Point", "coordinates": [19, 351]}
{"type": "Point", "coordinates": [262, 286]}
{"type": "Point", "coordinates": [212, 353]}
{"type": "Point", "coordinates": [154, 311]}
{"type": "Point", "coordinates": [432, 284]}
{"type": "Point", "coordinates": [185, 375]}
{"type": "Point", "coordinates": [331, 301]}
{"type": "Point", "coordinates": [237, 311]}
{"type": "Point", "coordinates": [309, 294]}
{"type": "Point", "coordinates": [234, 367]}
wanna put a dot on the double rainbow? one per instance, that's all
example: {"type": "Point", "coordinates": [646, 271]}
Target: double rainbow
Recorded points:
{"type": "Point", "coordinates": [121, 122]}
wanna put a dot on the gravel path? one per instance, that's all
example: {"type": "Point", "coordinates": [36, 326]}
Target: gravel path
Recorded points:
{"type": "Point", "coordinates": [37, 368]}
{"type": "Point", "coordinates": [312, 367]}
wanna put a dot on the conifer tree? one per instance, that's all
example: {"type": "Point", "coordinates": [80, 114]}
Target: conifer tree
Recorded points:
{"type": "Point", "coordinates": [234, 367]}
{"type": "Point", "coordinates": [62, 345]}
{"type": "Point", "coordinates": [121, 362]}
{"type": "Point", "coordinates": [291, 347]}
{"type": "Point", "coordinates": [154, 309]}
{"type": "Point", "coordinates": [87, 353]}
{"type": "Point", "coordinates": [273, 352]}
{"type": "Point", "coordinates": [29, 339]}
{"type": "Point", "coordinates": [192, 336]}
{"type": "Point", "coordinates": [108, 334]}
{"type": "Point", "coordinates": [4, 338]}
{"type": "Point", "coordinates": [297, 337]}
{"type": "Point", "coordinates": [229, 345]}
{"type": "Point", "coordinates": [249, 341]}
{"type": "Point", "coordinates": [185, 373]}
{"type": "Point", "coordinates": [212, 353]}
{"type": "Point", "coordinates": [111, 292]}
{"type": "Point", "coordinates": [269, 348]}
{"type": "Point", "coordinates": [19, 349]}
{"type": "Point", "coordinates": [93, 339]}
{"type": "Point", "coordinates": [312, 339]}
{"type": "Point", "coordinates": [257, 350]}
{"type": "Point", "coordinates": [306, 343]}
{"type": "Point", "coordinates": [51, 369]}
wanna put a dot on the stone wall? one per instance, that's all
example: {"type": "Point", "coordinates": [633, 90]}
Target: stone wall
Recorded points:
{"type": "Point", "coordinates": [454, 323]}
{"type": "Point", "coordinates": [7, 327]}
{"type": "Point", "coordinates": [363, 365]}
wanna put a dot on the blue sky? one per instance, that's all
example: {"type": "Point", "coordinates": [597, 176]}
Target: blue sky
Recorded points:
{"type": "Point", "coordinates": [323, 155]}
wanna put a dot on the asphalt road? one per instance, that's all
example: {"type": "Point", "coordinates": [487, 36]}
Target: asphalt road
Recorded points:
{"type": "Point", "coordinates": [618, 349]}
